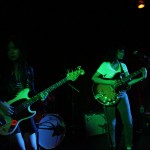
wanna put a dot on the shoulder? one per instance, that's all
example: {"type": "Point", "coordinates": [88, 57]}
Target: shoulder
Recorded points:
{"type": "Point", "coordinates": [105, 64]}
{"type": "Point", "coordinates": [124, 67]}
{"type": "Point", "coordinates": [123, 64]}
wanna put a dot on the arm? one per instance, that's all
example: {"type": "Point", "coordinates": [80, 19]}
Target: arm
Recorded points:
{"type": "Point", "coordinates": [5, 108]}
{"type": "Point", "coordinates": [96, 78]}
{"type": "Point", "coordinates": [136, 80]}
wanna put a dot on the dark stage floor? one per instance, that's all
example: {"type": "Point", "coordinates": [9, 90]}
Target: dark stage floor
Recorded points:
{"type": "Point", "coordinates": [78, 139]}
{"type": "Point", "coordinates": [74, 137]}
{"type": "Point", "coordinates": [99, 142]}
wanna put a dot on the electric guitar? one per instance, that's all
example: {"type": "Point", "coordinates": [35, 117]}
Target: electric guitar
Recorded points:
{"type": "Point", "coordinates": [22, 103]}
{"type": "Point", "coordinates": [107, 94]}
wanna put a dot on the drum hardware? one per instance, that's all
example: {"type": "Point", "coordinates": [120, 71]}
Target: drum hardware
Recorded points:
{"type": "Point", "coordinates": [73, 88]}
{"type": "Point", "coordinates": [51, 131]}
{"type": "Point", "coordinates": [73, 126]}
{"type": "Point", "coordinates": [57, 129]}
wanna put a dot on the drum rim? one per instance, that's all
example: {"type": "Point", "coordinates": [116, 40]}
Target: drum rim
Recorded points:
{"type": "Point", "coordinates": [62, 135]}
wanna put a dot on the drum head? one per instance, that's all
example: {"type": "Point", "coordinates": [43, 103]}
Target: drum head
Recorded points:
{"type": "Point", "coordinates": [51, 131]}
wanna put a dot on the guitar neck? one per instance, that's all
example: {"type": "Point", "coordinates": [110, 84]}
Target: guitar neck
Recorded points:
{"type": "Point", "coordinates": [70, 76]}
{"type": "Point", "coordinates": [125, 79]}
{"type": "Point", "coordinates": [48, 90]}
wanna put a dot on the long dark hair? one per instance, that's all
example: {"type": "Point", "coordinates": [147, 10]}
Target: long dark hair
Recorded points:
{"type": "Point", "coordinates": [18, 44]}
{"type": "Point", "coordinates": [111, 54]}
{"type": "Point", "coordinates": [23, 60]}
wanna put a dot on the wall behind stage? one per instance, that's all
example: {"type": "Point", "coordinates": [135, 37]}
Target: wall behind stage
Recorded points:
{"type": "Point", "coordinates": [60, 38]}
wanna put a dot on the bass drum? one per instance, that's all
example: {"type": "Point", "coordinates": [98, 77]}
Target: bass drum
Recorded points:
{"type": "Point", "coordinates": [51, 131]}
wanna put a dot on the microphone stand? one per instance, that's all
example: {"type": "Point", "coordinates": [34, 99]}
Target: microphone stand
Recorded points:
{"type": "Point", "coordinates": [73, 88]}
{"type": "Point", "coordinates": [73, 109]}
{"type": "Point", "coordinates": [141, 56]}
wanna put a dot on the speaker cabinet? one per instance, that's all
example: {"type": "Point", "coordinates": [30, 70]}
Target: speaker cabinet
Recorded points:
{"type": "Point", "coordinates": [95, 123]}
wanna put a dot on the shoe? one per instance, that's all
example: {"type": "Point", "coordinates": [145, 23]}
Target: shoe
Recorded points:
{"type": "Point", "coordinates": [128, 148]}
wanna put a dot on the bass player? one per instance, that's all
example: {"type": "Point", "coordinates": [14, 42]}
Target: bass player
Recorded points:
{"type": "Point", "coordinates": [16, 75]}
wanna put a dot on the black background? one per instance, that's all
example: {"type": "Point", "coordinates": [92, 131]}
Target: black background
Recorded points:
{"type": "Point", "coordinates": [63, 35]}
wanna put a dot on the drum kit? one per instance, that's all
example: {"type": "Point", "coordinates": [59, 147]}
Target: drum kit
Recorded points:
{"type": "Point", "coordinates": [51, 130]}
{"type": "Point", "coordinates": [51, 126]}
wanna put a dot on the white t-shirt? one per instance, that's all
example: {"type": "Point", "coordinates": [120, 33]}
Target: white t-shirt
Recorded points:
{"type": "Point", "coordinates": [108, 72]}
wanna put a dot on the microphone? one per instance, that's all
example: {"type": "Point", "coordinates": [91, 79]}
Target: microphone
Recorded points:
{"type": "Point", "coordinates": [139, 54]}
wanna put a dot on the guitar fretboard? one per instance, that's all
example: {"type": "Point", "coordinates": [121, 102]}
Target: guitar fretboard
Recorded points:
{"type": "Point", "coordinates": [127, 78]}
{"type": "Point", "coordinates": [48, 90]}
{"type": "Point", "coordinates": [35, 98]}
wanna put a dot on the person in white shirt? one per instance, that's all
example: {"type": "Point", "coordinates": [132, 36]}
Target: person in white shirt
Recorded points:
{"type": "Point", "coordinates": [111, 74]}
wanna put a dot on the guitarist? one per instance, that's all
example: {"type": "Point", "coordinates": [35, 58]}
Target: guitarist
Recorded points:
{"type": "Point", "coordinates": [16, 75]}
{"type": "Point", "coordinates": [105, 75]}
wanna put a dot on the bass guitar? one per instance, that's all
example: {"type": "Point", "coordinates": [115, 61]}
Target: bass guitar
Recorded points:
{"type": "Point", "coordinates": [107, 94]}
{"type": "Point", "coordinates": [22, 103]}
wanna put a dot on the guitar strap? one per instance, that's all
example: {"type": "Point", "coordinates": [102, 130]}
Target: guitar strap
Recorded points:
{"type": "Point", "coordinates": [122, 71]}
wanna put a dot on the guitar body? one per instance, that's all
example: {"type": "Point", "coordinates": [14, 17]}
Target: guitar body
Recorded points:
{"type": "Point", "coordinates": [105, 94]}
{"type": "Point", "coordinates": [8, 124]}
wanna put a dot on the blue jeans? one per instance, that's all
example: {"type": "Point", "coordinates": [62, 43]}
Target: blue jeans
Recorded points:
{"type": "Point", "coordinates": [123, 107]}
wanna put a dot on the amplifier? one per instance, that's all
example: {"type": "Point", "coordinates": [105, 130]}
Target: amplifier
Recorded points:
{"type": "Point", "coordinates": [95, 123]}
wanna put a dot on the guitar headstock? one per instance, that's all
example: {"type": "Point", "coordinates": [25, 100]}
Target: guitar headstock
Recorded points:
{"type": "Point", "coordinates": [73, 75]}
